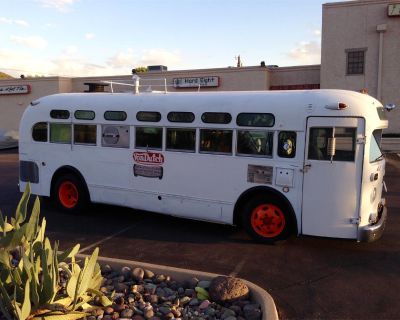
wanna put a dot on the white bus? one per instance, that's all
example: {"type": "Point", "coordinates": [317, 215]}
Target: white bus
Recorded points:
{"type": "Point", "coordinates": [280, 163]}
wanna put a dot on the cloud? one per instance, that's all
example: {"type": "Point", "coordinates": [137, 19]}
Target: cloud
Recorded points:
{"type": "Point", "coordinates": [160, 56]}
{"type": "Point", "coordinates": [317, 32]}
{"type": "Point", "coordinates": [122, 59]}
{"type": "Point", "coordinates": [89, 36]}
{"type": "Point", "coordinates": [35, 42]}
{"type": "Point", "coordinates": [306, 52]}
{"type": "Point", "coordinates": [19, 22]}
{"type": "Point", "coordinates": [60, 5]}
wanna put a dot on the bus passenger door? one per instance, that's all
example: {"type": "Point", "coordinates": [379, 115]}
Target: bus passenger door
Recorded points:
{"type": "Point", "coordinates": [332, 180]}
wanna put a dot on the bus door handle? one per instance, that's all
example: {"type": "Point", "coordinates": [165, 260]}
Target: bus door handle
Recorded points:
{"type": "Point", "coordinates": [306, 167]}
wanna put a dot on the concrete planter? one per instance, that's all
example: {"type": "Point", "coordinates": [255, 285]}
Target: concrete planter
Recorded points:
{"type": "Point", "coordinates": [258, 294]}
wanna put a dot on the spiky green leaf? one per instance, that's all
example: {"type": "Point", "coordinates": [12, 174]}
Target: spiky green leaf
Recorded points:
{"type": "Point", "coordinates": [60, 316]}
{"type": "Point", "coordinates": [33, 223]}
{"type": "Point", "coordinates": [20, 214]}
{"type": "Point", "coordinates": [88, 271]}
{"type": "Point", "coordinates": [26, 305]}
{"type": "Point", "coordinates": [69, 253]}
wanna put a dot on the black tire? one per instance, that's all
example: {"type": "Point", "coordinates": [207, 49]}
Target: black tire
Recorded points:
{"type": "Point", "coordinates": [266, 219]}
{"type": "Point", "coordinates": [70, 194]}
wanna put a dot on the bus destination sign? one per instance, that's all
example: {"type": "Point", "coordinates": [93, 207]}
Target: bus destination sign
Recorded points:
{"type": "Point", "coordinates": [195, 82]}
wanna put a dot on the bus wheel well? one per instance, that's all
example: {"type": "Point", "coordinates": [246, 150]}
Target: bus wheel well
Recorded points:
{"type": "Point", "coordinates": [256, 191]}
{"type": "Point", "coordinates": [65, 170]}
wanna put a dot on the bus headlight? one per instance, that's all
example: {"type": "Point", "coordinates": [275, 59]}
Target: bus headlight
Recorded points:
{"type": "Point", "coordinates": [373, 195]}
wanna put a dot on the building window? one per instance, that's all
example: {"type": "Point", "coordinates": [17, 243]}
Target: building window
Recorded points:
{"type": "Point", "coordinates": [355, 61]}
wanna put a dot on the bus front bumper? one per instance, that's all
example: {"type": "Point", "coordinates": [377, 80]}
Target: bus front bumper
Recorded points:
{"type": "Point", "coordinates": [373, 232]}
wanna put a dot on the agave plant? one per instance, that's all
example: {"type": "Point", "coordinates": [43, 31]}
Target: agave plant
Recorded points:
{"type": "Point", "coordinates": [30, 270]}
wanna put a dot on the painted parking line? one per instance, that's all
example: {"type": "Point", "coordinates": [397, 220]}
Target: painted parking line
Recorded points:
{"type": "Point", "coordinates": [95, 244]}
{"type": "Point", "coordinates": [238, 268]}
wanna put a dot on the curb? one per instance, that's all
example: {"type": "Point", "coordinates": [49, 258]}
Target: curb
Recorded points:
{"type": "Point", "coordinates": [258, 294]}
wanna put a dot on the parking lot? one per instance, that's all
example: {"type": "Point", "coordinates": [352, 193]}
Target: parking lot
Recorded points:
{"type": "Point", "coordinates": [308, 277]}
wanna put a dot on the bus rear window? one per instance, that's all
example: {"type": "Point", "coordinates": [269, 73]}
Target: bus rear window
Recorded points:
{"type": "Point", "coordinates": [60, 132]}
{"type": "Point", "coordinates": [39, 132]}
{"type": "Point", "coordinates": [59, 114]}
{"type": "Point", "coordinates": [216, 141]}
{"type": "Point", "coordinates": [255, 120]}
{"type": "Point", "coordinates": [216, 117]}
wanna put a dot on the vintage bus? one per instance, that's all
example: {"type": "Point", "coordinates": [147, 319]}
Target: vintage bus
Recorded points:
{"type": "Point", "coordinates": [278, 163]}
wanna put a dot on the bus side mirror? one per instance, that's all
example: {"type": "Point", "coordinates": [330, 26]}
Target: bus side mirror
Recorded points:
{"type": "Point", "coordinates": [331, 147]}
{"type": "Point", "coordinates": [390, 106]}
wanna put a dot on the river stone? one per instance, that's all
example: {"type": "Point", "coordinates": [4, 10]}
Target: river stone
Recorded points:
{"type": "Point", "coordinates": [228, 289]}
{"type": "Point", "coordinates": [138, 274]}
{"type": "Point", "coordinates": [148, 274]}
{"type": "Point", "coordinates": [127, 313]}
{"type": "Point", "coordinates": [228, 313]}
{"type": "Point", "coordinates": [150, 288]}
{"type": "Point", "coordinates": [120, 287]}
{"type": "Point", "coordinates": [205, 284]}
{"type": "Point", "coordinates": [137, 317]}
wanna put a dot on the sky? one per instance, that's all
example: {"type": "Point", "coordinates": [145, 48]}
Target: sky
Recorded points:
{"type": "Point", "coordinates": [110, 37]}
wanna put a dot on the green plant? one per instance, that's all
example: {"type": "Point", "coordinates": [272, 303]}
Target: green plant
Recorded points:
{"type": "Point", "coordinates": [31, 269]}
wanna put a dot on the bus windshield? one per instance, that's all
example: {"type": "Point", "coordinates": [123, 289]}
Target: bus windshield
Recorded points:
{"type": "Point", "coordinates": [375, 153]}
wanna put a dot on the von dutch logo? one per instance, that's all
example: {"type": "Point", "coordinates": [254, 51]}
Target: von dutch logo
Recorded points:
{"type": "Point", "coordinates": [148, 158]}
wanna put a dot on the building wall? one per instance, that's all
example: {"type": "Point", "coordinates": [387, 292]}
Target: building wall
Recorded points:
{"type": "Point", "coordinates": [13, 106]}
{"type": "Point", "coordinates": [297, 75]}
{"type": "Point", "coordinates": [350, 25]}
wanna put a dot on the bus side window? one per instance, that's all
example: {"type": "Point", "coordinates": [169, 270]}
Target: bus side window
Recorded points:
{"type": "Point", "coordinates": [60, 132]}
{"type": "Point", "coordinates": [287, 144]}
{"type": "Point", "coordinates": [85, 134]}
{"type": "Point", "coordinates": [148, 137]}
{"type": "Point", "coordinates": [39, 132]}
{"type": "Point", "coordinates": [345, 144]}
{"type": "Point", "coordinates": [216, 141]}
{"type": "Point", "coordinates": [318, 143]}
{"type": "Point", "coordinates": [254, 142]}
{"type": "Point", "coordinates": [181, 139]}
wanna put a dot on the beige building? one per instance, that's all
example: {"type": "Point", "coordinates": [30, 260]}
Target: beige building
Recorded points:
{"type": "Point", "coordinates": [360, 51]}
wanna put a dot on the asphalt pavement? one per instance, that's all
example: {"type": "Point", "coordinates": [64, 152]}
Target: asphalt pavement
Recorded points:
{"type": "Point", "coordinates": [308, 277]}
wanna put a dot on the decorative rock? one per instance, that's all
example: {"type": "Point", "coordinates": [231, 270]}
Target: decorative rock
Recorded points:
{"type": "Point", "coordinates": [120, 287]}
{"type": "Point", "coordinates": [160, 278]}
{"type": "Point", "coordinates": [191, 283]}
{"type": "Point", "coordinates": [228, 313]}
{"type": "Point", "coordinates": [127, 313]}
{"type": "Point", "coordinates": [194, 302]}
{"type": "Point", "coordinates": [106, 269]}
{"type": "Point", "coordinates": [205, 284]}
{"type": "Point", "coordinates": [164, 310]}
{"type": "Point", "coordinates": [138, 274]}
{"type": "Point", "coordinates": [228, 289]}
{"type": "Point", "coordinates": [137, 317]}
{"type": "Point", "coordinates": [183, 301]}
{"type": "Point", "coordinates": [148, 313]}
{"type": "Point", "coordinates": [210, 312]}
{"type": "Point", "coordinates": [252, 311]}
{"type": "Point", "coordinates": [153, 299]}
{"type": "Point", "coordinates": [230, 318]}
{"type": "Point", "coordinates": [126, 272]}
{"type": "Point", "coordinates": [115, 316]}
{"type": "Point", "coordinates": [189, 292]}
{"type": "Point", "coordinates": [109, 310]}
{"type": "Point", "coordinates": [150, 288]}
{"type": "Point", "coordinates": [204, 304]}
{"type": "Point", "coordinates": [107, 317]}
{"type": "Point", "coordinates": [148, 274]}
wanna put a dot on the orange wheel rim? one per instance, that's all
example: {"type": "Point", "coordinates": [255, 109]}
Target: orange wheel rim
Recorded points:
{"type": "Point", "coordinates": [268, 220]}
{"type": "Point", "coordinates": [68, 194]}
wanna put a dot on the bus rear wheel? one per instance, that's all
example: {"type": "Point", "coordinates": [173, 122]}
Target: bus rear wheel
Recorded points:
{"type": "Point", "coordinates": [266, 219]}
{"type": "Point", "coordinates": [69, 194]}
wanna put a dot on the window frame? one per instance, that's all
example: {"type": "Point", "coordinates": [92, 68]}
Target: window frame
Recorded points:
{"type": "Point", "coordinates": [268, 156]}
{"type": "Point", "coordinates": [354, 50]}
{"type": "Point", "coordinates": [84, 143]}
{"type": "Point", "coordinates": [148, 147]}
{"type": "Point", "coordinates": [252, 125]}
{"type": "Point", "coordinates": [113, 111]}
{"type": "Point", "coordinates": [181, 150]}
{"type": "Point", "coordinates": [216, 152]}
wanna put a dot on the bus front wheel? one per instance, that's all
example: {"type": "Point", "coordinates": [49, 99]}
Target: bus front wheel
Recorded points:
{"type": "Point", "coordinates": [266, 219]}
{"type": "Point", "coordinates": [69, 193]}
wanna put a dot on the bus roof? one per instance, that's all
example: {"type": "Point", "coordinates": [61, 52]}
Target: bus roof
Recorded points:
{"type": "Point", "coordinates": [290, 108]}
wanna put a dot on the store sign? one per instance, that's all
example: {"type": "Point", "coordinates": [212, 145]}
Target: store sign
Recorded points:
{"type": "Point", "coordinates": [15, 89]}
{"type": "Point", "coordinates": [196, 82]}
